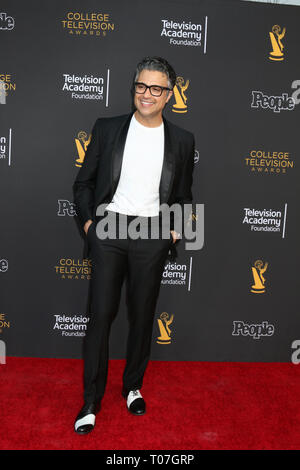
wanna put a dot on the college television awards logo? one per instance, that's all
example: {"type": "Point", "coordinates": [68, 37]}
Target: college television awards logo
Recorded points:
{"type": "Point", "coordinates": [266, 162]}
{"type": "Point", "coordinates": [7, 86]}
{"type": "Point", "coordinates": [72, 269]}
{"type": "Point", "coordinates": [4, 323]}
{"type": "Point", "coordinates": [258, 270]}
{"type": "Point", "coordinates": [81, 24]}
{"type": "Point", "coordinates": [277, 47]}
{"type": "Point", "coordinates": [164, 323]}
{"type": "Point", "coordinates": [82, 141]}
{"type": "Point", "coordinates": [179, 90]}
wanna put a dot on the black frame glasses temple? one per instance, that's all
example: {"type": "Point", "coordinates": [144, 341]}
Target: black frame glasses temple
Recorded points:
{"type": "Point", "coordinates": [149, 86]}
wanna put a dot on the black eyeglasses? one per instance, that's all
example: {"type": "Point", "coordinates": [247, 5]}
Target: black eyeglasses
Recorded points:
{"type": "Point", "coordinates": [155, 90]}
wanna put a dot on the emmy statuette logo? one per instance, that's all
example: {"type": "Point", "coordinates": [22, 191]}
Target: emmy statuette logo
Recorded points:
{"type": "Point", "coordinates": [179, 94]}
{"type": "Point", "coordinates": [82, 141]}
{"type": "Point", "coordinates": [163, 325]}
{"type": "Point", "coordinates": [259, 281]}
{"type": "Point", "coordinates": [275, 37]}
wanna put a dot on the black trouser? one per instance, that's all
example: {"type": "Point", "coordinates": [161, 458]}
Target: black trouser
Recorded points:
{"type": "Point", "coordinates": [142, 262]}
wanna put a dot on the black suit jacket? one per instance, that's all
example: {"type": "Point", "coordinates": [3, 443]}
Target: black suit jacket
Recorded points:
{"type": "Point", "coordinates": [97, 179]}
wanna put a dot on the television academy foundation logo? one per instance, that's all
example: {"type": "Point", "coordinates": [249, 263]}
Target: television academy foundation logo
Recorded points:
{"type": "Point", "coordinates": [176, 274]}
{"type": "Point", "coordinates": [86, 87]}
{"type": "Point", "coordinates": [5, 147]}
{"type": "Point", "coordinates": [266, 220]}
{"type": "Point", "coordinates": [185, 33]}
{"type": "Point", "coordinates": [75, 325]}
{"type": "Point", "coordinates": [82, 24]}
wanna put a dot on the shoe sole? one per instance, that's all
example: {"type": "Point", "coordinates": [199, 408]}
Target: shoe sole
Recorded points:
{"type": "Point", "coordinates": [136, 414]}
{"type": "Point", "coordinates": [83, 433]}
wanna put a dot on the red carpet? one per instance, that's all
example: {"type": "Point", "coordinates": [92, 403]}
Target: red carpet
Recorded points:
{"type": "Point", "coordinates": [190, 405]}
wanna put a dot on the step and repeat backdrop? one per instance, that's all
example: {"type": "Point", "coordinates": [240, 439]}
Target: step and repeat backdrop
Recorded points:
{"type": "Point", "coordinates": [63, 64]}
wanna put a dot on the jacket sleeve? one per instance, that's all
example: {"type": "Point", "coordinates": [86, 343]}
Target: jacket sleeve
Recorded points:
{"type": "Point", "coordinates": [184, 188]}
{"type": "Point", "coordinates": [84, 185]}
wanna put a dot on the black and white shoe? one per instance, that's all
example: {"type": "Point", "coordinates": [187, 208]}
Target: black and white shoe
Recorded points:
{"type": "Point", "coordinates": [86, 418]}
{"type": "Point", "coordinates": [135, 402]}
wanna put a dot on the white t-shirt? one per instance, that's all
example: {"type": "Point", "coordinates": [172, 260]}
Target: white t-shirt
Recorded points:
{"type": "Point", "coordinates": [137, 192]}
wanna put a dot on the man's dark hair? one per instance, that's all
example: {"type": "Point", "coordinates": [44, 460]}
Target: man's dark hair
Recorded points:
{"type": "Point", "coordinates": [158, 64]}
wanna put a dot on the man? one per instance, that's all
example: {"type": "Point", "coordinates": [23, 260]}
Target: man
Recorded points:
{"type": "Point", "coordinates": [133, 164]}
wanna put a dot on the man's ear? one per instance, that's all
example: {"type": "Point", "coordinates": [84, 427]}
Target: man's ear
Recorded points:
{"type": "Point", "coordinates": [170, 93]}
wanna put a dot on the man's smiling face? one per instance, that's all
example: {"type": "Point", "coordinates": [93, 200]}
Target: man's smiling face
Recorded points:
{"type": "Point", "coordinates": [149, 108]}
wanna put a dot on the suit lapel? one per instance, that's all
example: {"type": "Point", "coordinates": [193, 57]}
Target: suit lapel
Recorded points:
{"type": "Point", "coordinates": [167, 172]}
